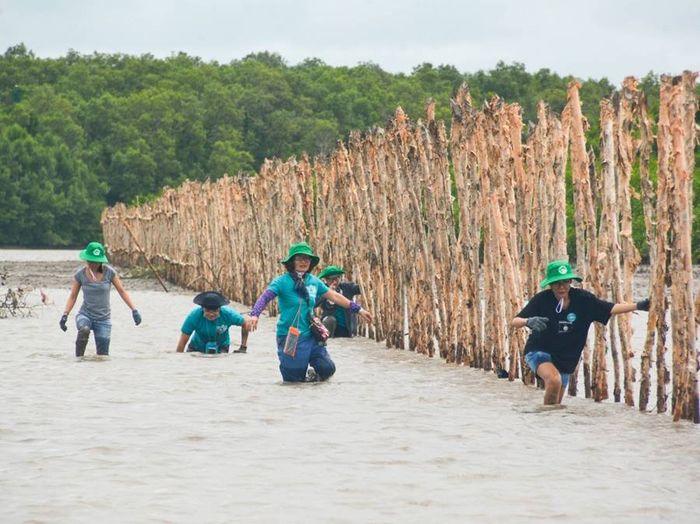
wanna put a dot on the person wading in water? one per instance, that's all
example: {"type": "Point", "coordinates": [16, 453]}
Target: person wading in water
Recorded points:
{"type": "Point", "coordinates": [559, 318]}
{"type": "Point", "coordinates": [208, 325]}
{"type": "Point", "coordinates": [297, 292]}
{"type": "Point", "coordinates": [95, 279]}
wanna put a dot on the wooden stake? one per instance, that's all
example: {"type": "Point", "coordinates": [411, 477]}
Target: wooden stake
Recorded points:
{"type": "Point", "coordinates": [145, 256]}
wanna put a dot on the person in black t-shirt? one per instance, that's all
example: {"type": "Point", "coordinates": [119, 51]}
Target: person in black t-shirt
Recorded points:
{"type": "Point", "coordinates": [559, 318]}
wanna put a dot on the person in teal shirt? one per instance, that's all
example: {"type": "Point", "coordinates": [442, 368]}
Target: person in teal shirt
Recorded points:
{"type": "Point", "coordinates": [297, 292]}
{"type": "Point", "coordinates": [206, 327]}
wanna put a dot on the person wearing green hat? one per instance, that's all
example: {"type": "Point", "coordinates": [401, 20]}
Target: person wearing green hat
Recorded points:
{"type": "Point", "coordinates": [208, 325]}
{"type": "Point", "coordinates": [559, 318]}
{"type": "Point", "coordinates": [95, 279]}
{"type": "Point", "coordinates": [297, 291]}
{"type": "Point", "coordinates": [340, 322]}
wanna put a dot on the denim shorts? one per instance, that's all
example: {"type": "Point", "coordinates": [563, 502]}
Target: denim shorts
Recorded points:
{"type": "Point", "coordinates": [535, 358]}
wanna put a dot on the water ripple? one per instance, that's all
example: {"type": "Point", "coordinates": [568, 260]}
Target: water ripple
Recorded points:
{"type": "Point", "coordinates": [147, 435]}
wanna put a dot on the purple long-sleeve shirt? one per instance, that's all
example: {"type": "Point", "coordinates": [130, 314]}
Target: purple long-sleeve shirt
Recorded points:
{"type": "Point", "coordinates": [261, 302]}
{"type": "Point", "coordinates": [264, 299]}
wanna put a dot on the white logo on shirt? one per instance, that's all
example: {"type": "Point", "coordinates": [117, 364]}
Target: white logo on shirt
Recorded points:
{"type": "Point", "coordinates": [313, 290]}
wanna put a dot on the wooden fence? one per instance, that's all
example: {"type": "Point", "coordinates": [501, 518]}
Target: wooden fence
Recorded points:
{"type": "Point", "coordinates": [449, 234]}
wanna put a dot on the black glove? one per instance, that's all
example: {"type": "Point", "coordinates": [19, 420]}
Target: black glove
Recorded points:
{"type": "Point", "coordinates": [537, 323]}
{"type": "Point", "coordinates": [643, 305]}
{"type": "Point", "coordinates": [136, 316]}
{"type": "Point", "coordinates": [62, 322]}
{"type": "Point", "coordinates": [242, 349]}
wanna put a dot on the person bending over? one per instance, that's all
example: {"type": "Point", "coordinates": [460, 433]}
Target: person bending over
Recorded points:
{"type": "Point", "coordinates": [206, 327]}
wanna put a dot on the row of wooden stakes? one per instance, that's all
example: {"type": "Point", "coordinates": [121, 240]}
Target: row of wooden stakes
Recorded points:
{"type": "Point", "coordinates": [449, 233]}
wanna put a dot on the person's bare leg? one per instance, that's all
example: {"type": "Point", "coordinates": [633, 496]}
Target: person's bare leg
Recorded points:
{"type": "Point", "coordinates": [553, 392]}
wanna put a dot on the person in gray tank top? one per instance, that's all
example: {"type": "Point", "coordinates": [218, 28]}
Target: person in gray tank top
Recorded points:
{"type": "Point", "coordinates": [95, 279]}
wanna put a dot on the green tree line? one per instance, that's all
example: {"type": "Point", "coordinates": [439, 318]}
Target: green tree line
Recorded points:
{"type": "Point", "coordinates": [84, 131]}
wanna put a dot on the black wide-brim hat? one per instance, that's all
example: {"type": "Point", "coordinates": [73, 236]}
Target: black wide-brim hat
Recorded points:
{"type": "Point", "coordinates": [211, 299]}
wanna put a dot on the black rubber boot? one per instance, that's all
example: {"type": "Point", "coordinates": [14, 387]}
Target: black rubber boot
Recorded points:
{"type": "Point", "coordinates": [81, 341]}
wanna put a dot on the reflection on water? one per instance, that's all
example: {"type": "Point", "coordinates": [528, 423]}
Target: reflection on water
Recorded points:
{"type": "Point", "coordinates": [150, 435]}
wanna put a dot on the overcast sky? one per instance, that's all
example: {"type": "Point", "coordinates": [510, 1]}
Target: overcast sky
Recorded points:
{"type": "Point", "coordinates": [586, 38]}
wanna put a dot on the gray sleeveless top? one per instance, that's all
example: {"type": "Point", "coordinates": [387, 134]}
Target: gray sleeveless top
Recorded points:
{"type": "Point", "coordinates": [95, 294]}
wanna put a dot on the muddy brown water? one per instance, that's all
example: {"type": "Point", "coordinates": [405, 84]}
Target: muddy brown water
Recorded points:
{"type": "Point", "coordinates": [148, 435]}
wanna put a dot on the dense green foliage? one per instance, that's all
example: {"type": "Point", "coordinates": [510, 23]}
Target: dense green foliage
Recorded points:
{"type": "Point", "coordinates": [84, 131]}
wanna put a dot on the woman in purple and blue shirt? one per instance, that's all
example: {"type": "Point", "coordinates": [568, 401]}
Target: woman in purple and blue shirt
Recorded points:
{"type": "Point", "coordinates": [297, 292]}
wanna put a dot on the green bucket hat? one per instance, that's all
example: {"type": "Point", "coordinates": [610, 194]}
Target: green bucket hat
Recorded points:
{"type": "Point", "coordinates": [302, 248]}
{"type": "Point", "coordinates": [331, 271]}
{"type": "Point", "coordinates": [559, 270]}
{"type": "Point", "coordinates": [94, 252]}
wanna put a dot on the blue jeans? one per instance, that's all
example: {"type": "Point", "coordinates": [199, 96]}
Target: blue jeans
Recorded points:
{"type": "Point", "coordinates": [535, 358]}
{"type": "Point", "coordinates": [309, 353]}
{"type": "Point", "coordinates": [101, 328]}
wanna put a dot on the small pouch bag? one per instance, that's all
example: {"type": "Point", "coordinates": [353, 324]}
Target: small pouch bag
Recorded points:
{"type": "Point", "coordinates": [291, 342]}
{"type": "Point", "coordinates": [211, 347]}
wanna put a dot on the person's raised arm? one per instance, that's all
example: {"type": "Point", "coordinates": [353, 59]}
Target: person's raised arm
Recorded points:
{"type": "Point", "coordinates": [347, 304]}
{"type": "Point", "coordinates": [628, 307]}
{"type": "Point", "coordinates": [518, 322]}
{"type": "Point", "coordinates": [258, 307]}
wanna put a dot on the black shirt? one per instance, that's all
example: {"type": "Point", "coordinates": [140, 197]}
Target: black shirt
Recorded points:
{"type": "Point", "coordinates": [566, 331]}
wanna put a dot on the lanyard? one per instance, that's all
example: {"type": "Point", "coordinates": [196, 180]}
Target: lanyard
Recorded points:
{"type": "Point", "coordinates": [560, 306]}
{"type": "Point", "coordinates": [295, 320]}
